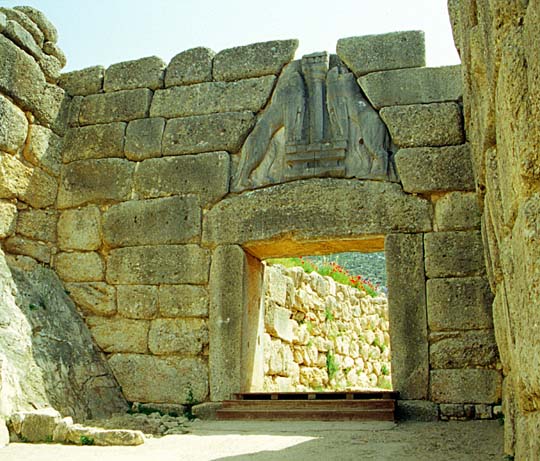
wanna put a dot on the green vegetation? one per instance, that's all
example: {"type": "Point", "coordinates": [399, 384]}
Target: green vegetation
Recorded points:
{"type": "Point", "coordinates": [331, 269]}
{"type": "Point", "coordinates": [86, 440]}
{"type": "Point", "coordinates": [384, 370]}
{"type": "Point", "coordinates": [331, 364]}
{"type": "Point", "coordinates": [191, 401]}
{"type": "Point", "coordinates": [328, 315]}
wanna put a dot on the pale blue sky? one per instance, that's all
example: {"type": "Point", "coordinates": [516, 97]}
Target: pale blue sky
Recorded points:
{"type": "Point", "coordinates": [107, 31]}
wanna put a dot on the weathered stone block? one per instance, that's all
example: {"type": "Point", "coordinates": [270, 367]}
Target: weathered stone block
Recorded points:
{"type": "Point", "coordinates": [185, 175]}
{"type": "Point", "coordinates": [454, 254]}
{"type": "Point", "coordinates": [183, 301]}
{"type": "Point", "coordinates": [49, 31]}
{"type": "Point", "coordinates": [373, 53]}
{"type": "Point", "coordinates": [51, 67]}
{"type": "Point", "coordinates": [137, 301]}
{"type": "Point", "coordinates": [459, 304]}
{"type": "Point", "coordinates": [158, 264]}
{"type": "Point", "coordinates": [435, 169]}
{"type": "Point", "coordinates": [4, 433]}
{"type": "Point", "coordinates": [94, 298]}
{"type": "Point", "coordinates": [297, 209]}
{"type": "Point", "coordinates": [14, 126]}
{"type": "Point", "coordinates": [119, 335]}
{"type": "Point", "coordinates": [31, 185]}
{"type": "Point", "coordinates": [181, 380]}
{"type": "Point", "coordinates": [184, 101]}
{"type": "Point", "coordinates": [276, 286]}
{"type": "Point", "coordinates": [178, 336]}
{"type": "Point", "coordinates": [44, 149]}
{"type": "Point", "coordinates": [417, 410]}
{"type": "Point", "coordinates": [92, 142]}
{"type": "Point", "coordinates": [143, 138]}
{"type": "Point", "coordinates": [190, 66]}
{"type": "Point", "coordinates": [466, 386]}
{"type": "Point", "coordinates": [278, 323]}
{"type": "Point", "coordinates": [153, 222]}
{"type": "Point", "coordinates": [23, 20]}
{"type": "Point", "coordinates": [38, 224]}
{"type": "Point", "coordinates": [20, 75]}
{"type": "Point", "coordinates": [38, 425]}
{"type": "Point", "coordinates": [51, 108]}
{"type": "Point", "coordinates": [457, 211]}
{"type": "Point", "coordinates": [207, 133]}
{"type": "Point", "coordinates": [227, 304]}
{"type": "Point", "coordinates": [413, 86]}
{"type": "Point", "coordinates": [83, 82]}
{"type": "Point", "coordinates": [22, 246]}
{"type": "Point", "coordinates": [140, 73]}
{"type": "Point", "coordinates": [101, 181]}
{"type": "Point", "coordinates": [19, 35]}
{"type": "Point", "coordinates": [80, 229]}
{"type": "Point", "coordinates": [253, 60]}
{"type": "Point", "coordinates": [407, 314]}
{"type": "Point", "coordinates": [120, 106]}
{"type": "Point", "coordinates": [431, 125]}
{"type": "Point", "coordinates": [8, 219]}
{"type": "Point", "coordinates": [79, 267]}
{"type": "Point", "coordinates": [465, 349]}
{"type": "Point", "coordinates": [53, 49]}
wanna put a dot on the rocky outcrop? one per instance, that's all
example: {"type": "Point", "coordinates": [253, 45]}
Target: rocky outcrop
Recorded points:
{"type": "Point", "coordinates": [497, 41]}
{"type": "Point", "coordinates": [47, 356]}
{"type": "Point", "coordinates": [322, 335]}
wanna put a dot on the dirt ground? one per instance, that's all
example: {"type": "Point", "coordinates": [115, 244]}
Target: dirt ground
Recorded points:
{"type": "Point", "coordinates": [312, 441]}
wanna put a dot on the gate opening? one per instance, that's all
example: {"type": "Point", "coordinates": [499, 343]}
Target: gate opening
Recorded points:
{"type": "Point", "coordinates": [326, 326]}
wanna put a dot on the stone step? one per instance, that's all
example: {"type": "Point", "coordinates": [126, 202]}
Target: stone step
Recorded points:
{"type": "Point", "coordinates": [306, 415]}
{"type": "Point", "coordinates": [347, 395]}
{"type": "Point", "coordinates": [346, 405]}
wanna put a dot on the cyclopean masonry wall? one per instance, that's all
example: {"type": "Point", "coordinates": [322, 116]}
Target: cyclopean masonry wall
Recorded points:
{"type": "Point", "coordinates": [497, 44]}
{"type": "Point", "coordinates": [178, 180]}
{"type": "Point", "coordinates": [322, 335]}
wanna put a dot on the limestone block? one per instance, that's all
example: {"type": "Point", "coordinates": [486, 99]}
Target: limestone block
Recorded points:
{"type": "Point", "coordinates": [178, 336]}
{"type": "Point", "coordinates": [20, 75]}
{"type": "Point", "coordinates": [51, 108]}
{"type": "Point", "coordinates": [227, 303]}
{"type": "Point", "coordinates": [185, 175]}
{"type": "Point", "coordinates": [120, 106]}
{"type": "Point", "coordinates": [22, 246]}
{"type": "Point", "coordinates": [44, 149]}
{"type": "Point", "coordinates": [467, 349]}
{"type": "Point", "coordinates": [83, 82]}
{"type": "Point", "coordinates": [49, 30]}
{"type": "Point", "coordinates": [430, 125]}
{"type": "Point", "coordinates": [14, 127]}
{"type": "Point", "coordinates": [184, 101]}
{"type": "Point", "coordinates": [31, 185]}
{"type": "Point", "coordinates": [466, 386]}
{"type": "Point", "coordinates": [19, 35]}
{"type": "Point", "coordinates": [73, 111]}
{"type": "Point", "coordinates": [275, 285]}
{"type": "Point", "coordinates": [183, 301]}
{"type": "Point", "coordinates": [38, 224]}
{"type": "Point", "coordinates": [450, 254]}
{"type": "Point", "coordinates": [278, 323]}
{"type": "Point", "coordinates": [80, 229]}
{"type": "Point", "coordinates": [100, 181]}
{"type": "Point", "coordinates": [8, 219]}
{"type": "Point", "coordinates": [299, 207]}
{"type": "Point", "coordinates": [457, 211]}
{"type": "Point", "coordinates": [416, 410]}
{"type": "Point", "coordinates": [3, 21]}
{"type": "Point", "coordinates": [372, 53]}
{"type": "Point", "coordinates": [413, 86]}
{"type": "Point", "coordinates": [140, 73]}
{"type": "Point", "coordinates": [23, 20]}
{"type": "Point", "coordinates": [103, 437]}
{"type": "Point", "coordinates": [79, 267]}
{"type": "Point", "coordinates": [92, 142]}
{"type": "Point", "coordinates": [153, 222]}
{"type": "Point", "coordinates": [4, 433]}
{"type": "Point", "coordinates": [190, 66]}
{"type": "Point", "coordinates": [253, 60]}
{"type": "Point", "coordinates": [37, 425]}
{"type": "Point", "coordinates": [181, 380]}
{"type": "Point", "coordinates": [435, 169]}
{"type": "Point", "coordinates": [206, 133]}
{"type": "Point", "coordinates": [119, 335]}
{"type": "Point", "coordinates": [169, 264]}
{"type": "Point", "coordinates": [459, 304]}
{"type": "Point", "coordinates": [143, 138]}
{"type": "Point", "coordinates": [51, 67]}
{"type": "Point", "coordinates": [137, 301]}
{"type": "Point", "coordinates": [407, 312]}
{"type": "Point", "coordinates": [53, 49]}
{"type": "Point", "coordinates": [94, 298]}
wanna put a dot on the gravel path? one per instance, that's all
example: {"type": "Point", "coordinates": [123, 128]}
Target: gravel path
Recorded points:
{"type": "Point", "coordinates": [312, 441]}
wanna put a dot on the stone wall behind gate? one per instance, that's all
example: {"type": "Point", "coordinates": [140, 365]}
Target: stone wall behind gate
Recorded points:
{"type": "Point", "coordinates": [151, 244]}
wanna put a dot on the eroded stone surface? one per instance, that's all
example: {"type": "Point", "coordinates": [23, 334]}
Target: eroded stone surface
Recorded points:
{"type": "Point", "coordinates": [183, 301]}
{"type": "Point", "coordinates": [97, 141]}
{"type": "Point", "coordinates": [137, 301]}
{"type": "Point", "coordinates": [140, 73]}
{"type": "Point", "coordinates": [83, 82]}
{"type": "Point", "coordinates": [467, 385]}
{"type": "Point", "coordinates": [14, 126]}
{"type": "Point", "coordinates": [119, 335]}
{"type": "Point", "coordinates": [80, 229]}
{"type": "Point", "coordinates": [94, 298]}
{"type": "Point", "coordinates": [143, 138]}
{"type": "Point", "coordinates": [190, 66]}
{"type": "Point", "coordinates": [79, 267]}
{"type": "Point", "coordinates": [120, 106]}
{"type": "Point", "coordinates": [457, 211]}
{"type": "Point", "coordinates": [178, 336]}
